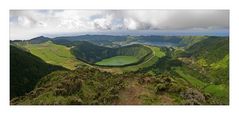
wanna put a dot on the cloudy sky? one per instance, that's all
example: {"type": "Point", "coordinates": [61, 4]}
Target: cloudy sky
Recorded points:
{"type": "Point", "coordinates": [26, 24]}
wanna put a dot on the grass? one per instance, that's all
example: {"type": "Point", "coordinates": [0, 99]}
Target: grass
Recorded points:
{"type": "Point", "coordinates": [157, 53]}
{"type": "Point", "coordinates": [221, 91]}
{"type": "Point", "coordinates": [217, 90]}
{"type": "Point", "coordinates": [151, 59]}
{"type": "Point", "coordinates": [54, 54]}
{"type": "Point", "coordinates": [222, 63]}
{"type": "Point", "coordinates": [118, 60]}
{"type": "Point", "coordinates": [141, 65]}
{"type": "Point", "coordinates": [61, 55]}
{"type": "Point", "coordinates": [192, 80]}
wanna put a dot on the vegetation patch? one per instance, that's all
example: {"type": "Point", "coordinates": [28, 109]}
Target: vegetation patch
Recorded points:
{"type": "Point", "coordinates": [54, 54]}
{"type": "Point", "coordinates": [193, 72]}
{"type": "Point", "coordinates": [118, 60]}
{"type": "Point", "coordinates": [220, 91]}
{"type": "Point", "coordinates": [194, 81]}
{"type": "Point", "coordinates": [91, 53]}
{"type": "Point", "coordinates": [26, 70]}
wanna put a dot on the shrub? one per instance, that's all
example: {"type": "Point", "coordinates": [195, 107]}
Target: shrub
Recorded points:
{"type": "Point", "coordinates": [193, 96]}
{"type": "Point", "coordinates": [68, 87]}
{"type": "Point", "coordinates": [160, 88]}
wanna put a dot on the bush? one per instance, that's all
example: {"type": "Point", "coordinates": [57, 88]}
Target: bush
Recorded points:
{"type": "Point", "coordinates": [160, 88]}
{"type": "Point", "coordinates": [175, 88]}
{"type": "Point", "coordinates": [68, 87]}
{"type": "Point", "coordinates": [193, 96]}
{"type": "Point", "coordinates": [74, 101]}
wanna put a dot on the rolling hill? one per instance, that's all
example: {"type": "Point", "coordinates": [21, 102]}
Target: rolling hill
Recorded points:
{"type": "Point", "coordinates": [88, 86]}
{"type": "Point", "coordinates": [54, 54]}
{"type": "Point", "coordinates": [204, 65]}
{"type": "Point", "coordinates": [117, 41]}
{"type": "Point", "coordinates": [25, 71]}
{"type": "Point", "coordinates": [108, 70]}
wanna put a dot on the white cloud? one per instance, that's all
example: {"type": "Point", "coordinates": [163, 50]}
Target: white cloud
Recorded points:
{"type": "Point", "coordinates": [104, 23]}
{"type": "Point", "coordinates": [131, 24]}
{"type": "Point", "coordinates": [26, 24]}
{"type": "Point", "coordinates": [179, 19]}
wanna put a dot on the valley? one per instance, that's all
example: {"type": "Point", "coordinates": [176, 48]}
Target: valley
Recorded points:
{"type": "Point", "coordinates": [131, 70]}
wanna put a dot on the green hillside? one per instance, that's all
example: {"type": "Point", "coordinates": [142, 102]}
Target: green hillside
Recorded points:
{"type": "Point", "coordinates": [211, 58]}
{"type": "Point", "coordinates": [188, 41]}
{"type": "Point", "coordinates": [87, 86]}
{"type": "Point", "coordinates": [25, 71]}
{"type": "Point", "coordinates": [204, 65]}
{"type": "Point", "coordinates": [195, 70]}
{"type": "Point", "coordinates": [92, 53]}
{"type": "Point", "coordinates": [209, 49]}
{"type": "Point", "coordinates": [111, 41]}
{"type": "Point", "coordinates": [54, 54]}
{"type": "Point", "coordinates": [147, 61]}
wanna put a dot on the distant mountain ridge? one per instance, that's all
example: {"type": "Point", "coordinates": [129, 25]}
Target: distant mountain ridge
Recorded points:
{"type": "Point", "coordinates": [38, 40]}
{"type": "Point", "coordinates": [116, 41]}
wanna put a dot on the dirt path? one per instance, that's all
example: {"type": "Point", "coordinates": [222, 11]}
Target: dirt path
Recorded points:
{"type": "Point", "coordinates": [130, 95]}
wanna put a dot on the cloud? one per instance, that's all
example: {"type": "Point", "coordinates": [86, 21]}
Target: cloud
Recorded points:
{"type": "Point", "coordinates": [26, 24]}
{"type": "Point", "coordinates": [178, 19]}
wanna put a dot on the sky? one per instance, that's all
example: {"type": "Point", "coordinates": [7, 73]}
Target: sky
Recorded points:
{"type": "Point", "coordinates": [27, 24]}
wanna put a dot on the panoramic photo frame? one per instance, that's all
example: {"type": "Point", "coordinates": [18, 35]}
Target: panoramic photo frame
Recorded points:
{"type": "Point", "coordinates": [119, 57]}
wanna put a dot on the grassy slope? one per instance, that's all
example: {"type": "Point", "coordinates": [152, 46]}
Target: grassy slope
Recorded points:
{"type": "Point", "coordinates": [190, 40]}
{"type": "Point", "coordinates": [221, 63]}
{"type": "Point", "coordinates": [209, 66]}
{"type": "Point", "coordinates": [118, 60]}
{"type": "Point", "coordinates": [91, 86]}
{"type": "Point", "coordinates": [60, 55]}
{"type": "Point", "coordinates": [54, 54]}
{"type": "Point", "coordinates": [194, 81]}
{"type": "Point", "coordinates": [92, 53]}
{"type": "Point", "coordinates": [221, 92]}
{"type": "Point", "coordinates": [157, 53]}
{"type": "Point", "coordinates": [26, 70]}
{"type": "Point", "coordinates": [211, 49]}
